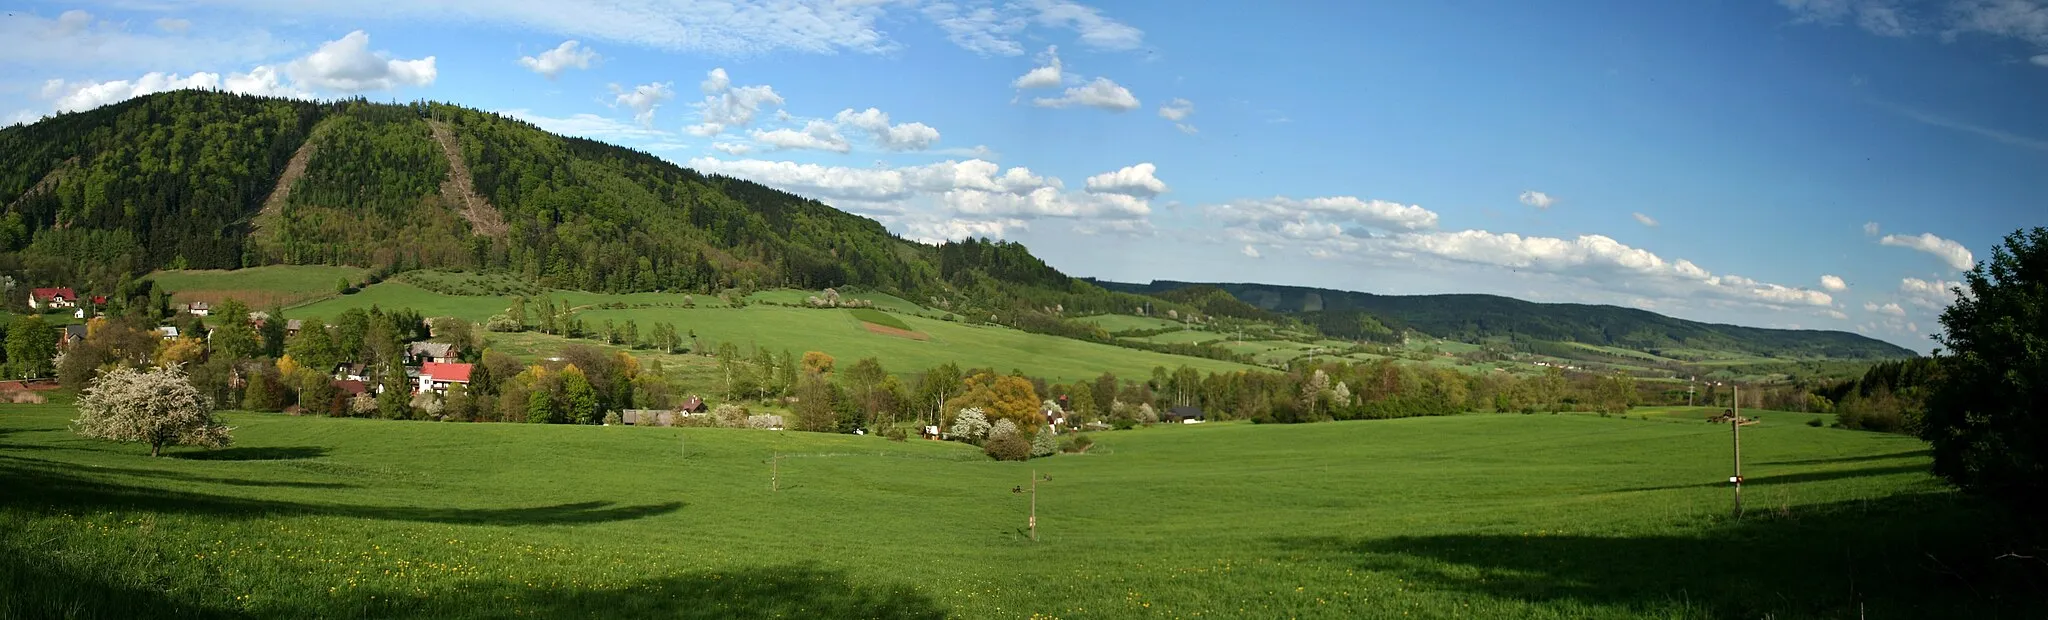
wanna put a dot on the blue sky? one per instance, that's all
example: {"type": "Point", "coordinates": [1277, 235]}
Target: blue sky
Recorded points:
{"type": "Point", "coordinates": [1826, 164]}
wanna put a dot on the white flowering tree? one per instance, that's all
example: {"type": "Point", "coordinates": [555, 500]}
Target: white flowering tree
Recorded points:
{"type": "Point", "coordinates": [1003, 428]}
{"type": "Point", "coordinates": [970, 425]}
{"type": "Point", "coordinates": [1044, 443]}
{"type": "Point", "coordinates": [159, 407]}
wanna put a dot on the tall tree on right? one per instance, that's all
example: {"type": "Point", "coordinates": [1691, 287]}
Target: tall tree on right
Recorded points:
{"type": "Point", "coordinates": [1987, 417]}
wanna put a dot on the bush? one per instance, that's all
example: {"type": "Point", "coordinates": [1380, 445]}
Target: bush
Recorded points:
{"type": "Point", "coordinates": [1816, 423]}
{"type": "Point", "coordinates": [1076, 444]}
{"type": "Point", "coordinates": [898, 434]}
{"type": "Point", "coordinates": [1008, 448]}
{"type": "Point", "coordinates": [1004, 428]}
{"type": "Point", "coordinates": [611, 418]}
{"type": "Point", "coordinates": [730, 415]}
{"type": "Point", "coordinates": [764, 422]}
{"type": "Point", "coordinates": [1123, 424]}
{"type": "Point", "coordinates": [1044, 443]}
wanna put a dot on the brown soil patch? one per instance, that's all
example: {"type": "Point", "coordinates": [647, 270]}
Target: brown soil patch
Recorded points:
{"type": "Point", "coordinates": [273, 206]}
{"type": "Point", "coordinates": [459, 189]}
{"type": "Point", "coordinates": [46, 184]}
{"type": "Point", "coordinates": [891, 331]}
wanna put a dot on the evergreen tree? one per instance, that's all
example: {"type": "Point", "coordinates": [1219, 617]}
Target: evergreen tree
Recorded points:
{"type": "Point", "coordinates": [579, 399]}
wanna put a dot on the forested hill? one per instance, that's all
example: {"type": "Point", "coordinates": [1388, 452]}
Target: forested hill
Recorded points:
{"type": "Point", "coordinates": [195, 179]}
{"type": "Point", "coordinates": [1474, 317]}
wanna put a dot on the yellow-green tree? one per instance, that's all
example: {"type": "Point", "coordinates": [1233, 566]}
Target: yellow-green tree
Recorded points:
{"type": "Point", "coordinates": [1001, 397]}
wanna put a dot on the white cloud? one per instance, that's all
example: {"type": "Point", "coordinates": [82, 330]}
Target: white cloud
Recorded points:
{"type": "Point", "coordinates": [1137, 180]}
{"type": "Point", "coordinates": [900, 137]}
{"type": "Point", "coordinates": [1889, 309]}
{"type": "Point", "coordinates": [2040, 60]}
{"type": "Point", "coordinates": [1880, 17]}
{"type": "Point", "coordinates": [590, 126]}
{"type": "Point", "coordinates": [1537, 199]}
{"type": "Point", "coordinates": [347, 65]}
{"type": "Point", "coordinates": [984, 30]}
{"type": "Point", "coordinates": [1870, 228]}
{"type": "Point", "coordinates": [1045, 75]}
{"type": "Point", "coordinates": [1251, 252]}
{"type": "Point", "coordinates": [733, 148]}
{"type": "Point", "coordinates": [642, 100]}
{"type": "Point", "coordinates": [1837, 314]}
{"type": "Point", "coordinates": [1833, 283]}
{"type": "Point", "coordinates": [946, 199]}
{"type": "Point", "coordinates": [1954, 254]}
{"type": "Point", "coordinates": [1645, 220]}
{"type": "Point", "coordinates": [1100, 93]}
{"type": "Point", "coordinates": [1178, 111]}
{"type": "Point", "coordinates": [553, 62]}
{"type": "Point", "coordinates": [76, 39]}
{"type": "Point", "coordinates": [727, 106]}
{"type": "Point", "coordinates": [1282, 218]}
{"type": "Point", "coordinates": [816, 135]}
{"type": "Point", "coordinates": [1991, 133]}
{"type": "Point", "coordinates": [1930, 294]}
{"type": "Point", "coordinates": [78, 96]}
{"type": "Point", "coordinates": [1096, 31]}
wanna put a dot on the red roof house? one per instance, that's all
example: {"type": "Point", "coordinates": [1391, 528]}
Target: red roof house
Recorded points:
{"type": "Point", "coordinates": [438, 376]}
{"type": "Point", "coordinates": [51, 298]}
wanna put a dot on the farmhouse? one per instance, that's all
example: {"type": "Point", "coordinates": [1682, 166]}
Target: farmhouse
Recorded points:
{"type": "Point", "coordinates": [292, 326]}
{"type": "Point", "coordinates": [694, 405]}
{"type": "Point", "coordinates": [48, 298]}
{"type": "Point", "coordinates": [73, 334]}
{"type": "Point", "coordinates": [431, 352]}
{"type": "Point", "coordinates": [436, 376]}
{"type": "Point", "coordinates": [168, 332]}
{"type": "Point", "coordinates": [1184, 415]}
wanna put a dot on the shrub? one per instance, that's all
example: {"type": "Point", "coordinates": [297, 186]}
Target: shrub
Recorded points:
{"type": "Point", "coordinates": [730, 415]}
{"type": "Point", "coordinates": [764, 422]}
{"type": "Point", "coordinates": [898, 434]}
{"type": "Point", "coordinates": [1816, 423]}
{"type": "Point", "coordinates": [1123, 424]}
{"type": "Point", "coordinates": [1076, 444]}
{"type": "Point", "coordinates": [1044, 443]}
{"type": "Point", "coordinates": [611, 418]}
{"type": "Point", "coordinates": [1008, 448]}
{"type": "Point", "coordinates": [1004, 428]}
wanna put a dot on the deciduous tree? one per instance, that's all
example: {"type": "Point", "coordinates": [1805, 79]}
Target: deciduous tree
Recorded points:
{"type": "Point", "coordinates": [1984, 418]}
{"type": "Point", "coordinates": [158, 407]}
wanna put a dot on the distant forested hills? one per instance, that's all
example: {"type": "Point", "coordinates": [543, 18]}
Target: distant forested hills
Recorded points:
{"type": "Point", "coordinates": [196, 179]}
{"type": "Point", "coordinates": [1475, 318]}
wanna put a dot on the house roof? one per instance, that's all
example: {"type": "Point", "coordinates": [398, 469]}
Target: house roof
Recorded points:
{"type": "Point", "coordinates": [52, 293]}
{"type": "Point", "coordinates": [1186, 411]}
{"type": "Point", "coordinates": [293, 324]}
{"type": "Point", "coordinates": [352, 388]}
{"type": "Point", "coordinates": [457, 373]}
{"type": "Point", "coordinates": [75, 330]}
{"type": "Point", "coordinates": [168, 330]}
{"type": "Point", "coordinates": [199, 305]}
{"type": "Point", "coordinates": [431, 349]}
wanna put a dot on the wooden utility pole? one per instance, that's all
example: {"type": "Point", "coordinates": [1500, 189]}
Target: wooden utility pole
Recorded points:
{"type": "Point", "coordinates": [1735, 430]}
{"type": "Point", "coordinates": [1033, 490]}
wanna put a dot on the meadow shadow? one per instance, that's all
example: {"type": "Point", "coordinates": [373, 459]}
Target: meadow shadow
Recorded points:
{"type": "Point", "coordinates": [36, 483]}
{"type": "Point", "coordinates": [1852, 459]}
{"type": "Point", "coordinates": [254, 453]}
{"type": "Point", "coordinates": [1809, 476]}
{"type": "Point", "coordinates": [1930, 555]}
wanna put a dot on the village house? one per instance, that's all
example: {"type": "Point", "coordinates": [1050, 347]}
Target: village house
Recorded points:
{"type": "Point", "coordinates": [73, 334]}
{"type": "Point", "coordinates": [199, 308]}
{"type": "Point", "coordinates": [291, 327]}
{"type": "Point", "coordinates": [437, 376]}
{"type": "Point", "coordinates": [168, 332]}
{"type": "Point", "coordinates": [51, 298]}
{"type": "Point", "coordinates": [431, 352]}
{"type": "Point", "coordinates": [1184, 415]}
{"type": "Point", "coordinates": [351, 372]}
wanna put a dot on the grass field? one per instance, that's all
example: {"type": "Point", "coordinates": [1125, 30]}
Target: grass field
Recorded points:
{"type": "Point", "coordinates": [1506, 516]}
{"type": "Point", "coordinates": [260, 287]}
{"type": "Point", "coordinates": [884, 319]}
{"type": "Point", "coordinates": [1123, 322]}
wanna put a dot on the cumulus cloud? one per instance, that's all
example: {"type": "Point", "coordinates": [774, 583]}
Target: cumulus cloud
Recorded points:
{"type": "Point", "coordinates": [589, 126]}
{"type": "Point", "coordinates": [733, 148]}
{"type": "Point", "coordinates": [1137, 180]}
{"type": "Point", "coordinates": [726, 106]}
{"type": "Point", "coordinates": [1281, 219]}
{"type": "Point", "coordinates": [1836, 314]}
{"type": "Point", "coordinates": [1178, 111]}
{"type": "Point", "coordinates": [642, 100]}
{"type": "Point", "coordinates": [1930, 294]}
{"type": "Point", "coordinates": [1870, 228]}
{"type": "Point", "coordinates": [1833, 283]}
{"type": "Point", "coordinates": [1251, 252]}
{"type": "Point", "coordinates": [1094, 29]}
{"type": "Point", "coordinates": [1598, 257]}
{"type": "Point", "coordinates": [2040, 60]}
{"type": "Point", "coordinates": [347, 65]}
{"type": "Point", "coordinates": [1888, 309]}
{"type": "Point", "coordinates": [899, 137]}
{"type": "Point", "coordinates": [1101, 93]}
{"type": "Point", "coordinates": [1045, 75]}
{"type": "Point", "coordinates": [79, 96]}
{"type": "Point", "coordinates": [1537, 199]}
{"type": "Point", "coordinates": [342, 66]}
{"type": "Point", "coordinates": [1645, 220]}
{"type": "Point", "coordinates": [816, 135]}
{"type": "Point", "coordinates": [1954, 254]}
{"type": "Point", "coordinates": [551, 63]}
{"type": "Point", "coordinates": [946, 200]}
{"type": "Point", "coordinates": [984, 30]}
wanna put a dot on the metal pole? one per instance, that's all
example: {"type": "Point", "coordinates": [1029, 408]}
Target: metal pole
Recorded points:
{"type": "Point", "coordinates": [1735, 422]}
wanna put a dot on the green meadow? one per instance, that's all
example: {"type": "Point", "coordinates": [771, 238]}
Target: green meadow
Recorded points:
{"type": "Point", "coordinates": [1509, 516]}
{"type": "Point", "coordinates": [260, 287]}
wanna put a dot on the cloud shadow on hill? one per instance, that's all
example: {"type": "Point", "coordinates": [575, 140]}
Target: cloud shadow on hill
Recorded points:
{"type": "Point", "coordinates": [1932, 555]}
{"type": "Point", "coordinates": [34, 483]}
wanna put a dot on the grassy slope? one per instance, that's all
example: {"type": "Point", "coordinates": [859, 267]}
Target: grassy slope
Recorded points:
{"type": "Point", "coordinates": [1492, 516]}
{"type": "Point", "coordinates": [258, 286]}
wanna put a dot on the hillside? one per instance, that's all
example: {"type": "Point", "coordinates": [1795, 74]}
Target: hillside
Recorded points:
{"type": "Point", "coordinates": [1475, 318]}
{"type": "Point", "coordinates": [208, 180]}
